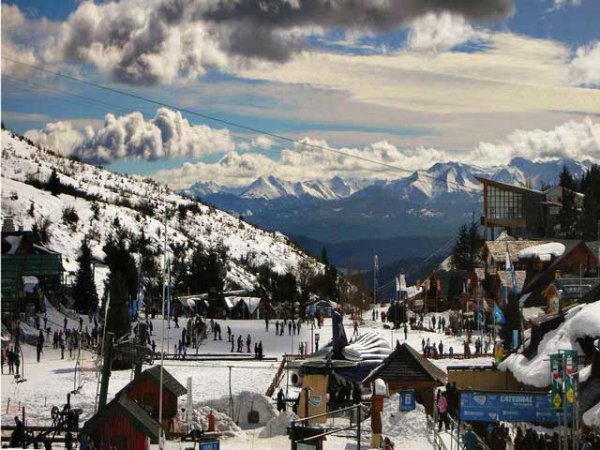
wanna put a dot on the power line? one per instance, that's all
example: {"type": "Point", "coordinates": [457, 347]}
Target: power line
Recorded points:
{"type": "Point", "coordinates": [231, 123]}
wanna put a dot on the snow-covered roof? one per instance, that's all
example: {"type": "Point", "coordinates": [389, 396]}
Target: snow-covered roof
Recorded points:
{"type": "Point", "coordinates": [581, 321]}
{"type": "Point", "coordinates": [543, 251]}
{"type": "Point", "coordinates": [252, 303]}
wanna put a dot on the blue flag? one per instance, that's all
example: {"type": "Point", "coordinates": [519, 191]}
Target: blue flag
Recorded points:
{"type": "Point", "coordinates": [479, 316]}
{"type": "Point", "coordinates": [499, 315]}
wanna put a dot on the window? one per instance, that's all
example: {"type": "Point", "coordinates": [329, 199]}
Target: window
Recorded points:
{"type": "Point", "coordinates": [502, 204]}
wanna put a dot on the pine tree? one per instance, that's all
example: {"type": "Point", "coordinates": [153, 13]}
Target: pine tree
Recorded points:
{"type": "Point", "coordinates": [84, 292]}
{"type": "Point", "coordinates": [467, 247]}
{"type": "Point", "coordinates": [591, 203]}
{"type": "Point", "coordinates": [54, 185]}
{"type": "Point", "coordinates": [121, 283]}
{"type": "Point", "coordinates": [324, 258]}
{"type": "Point", "coordinates": [568, 215]}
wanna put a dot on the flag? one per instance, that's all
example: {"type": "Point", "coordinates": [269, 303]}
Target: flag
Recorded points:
{"type": "Point", "coordinates": [397, 284]}
{"type": "Point", "coordinates": [169, 289]}
{"type": "Point", "coordinates": [402, 282]}
{"type": "Point", "coordinates": [376, 263]}
{"type": "Point", "coordinates": [479, 316]}
{"type": "Point", "coordinates": [141, 290]}
{"type": "Point", "coordinates": [508, 264]}
{"type": "Point", "coordinates": [499, 315]}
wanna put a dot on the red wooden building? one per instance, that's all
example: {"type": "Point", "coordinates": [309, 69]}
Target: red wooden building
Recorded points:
{"type": "Point", "coordinates": [122, 423]}
{"type": "Point", "coordinates": [145, 390]}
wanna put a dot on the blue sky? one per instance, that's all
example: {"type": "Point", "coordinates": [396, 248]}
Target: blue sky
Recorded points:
{"type": "Point", "coordinates": [403, 95]}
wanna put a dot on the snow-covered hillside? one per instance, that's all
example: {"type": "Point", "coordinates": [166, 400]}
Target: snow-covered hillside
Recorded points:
{"type": "Point", "coordinates": [138, 204]}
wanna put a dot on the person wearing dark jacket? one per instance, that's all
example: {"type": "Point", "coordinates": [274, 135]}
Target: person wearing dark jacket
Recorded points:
{"type": "Point", "coordinates": [280, 400]}
{"type": "Point", "coordinates": [17, 436]}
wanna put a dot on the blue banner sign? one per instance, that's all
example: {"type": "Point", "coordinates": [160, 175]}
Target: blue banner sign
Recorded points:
{"type": "Point", "coordinates": [479, 406]}
{"type": "Point", "coordinates": [517, 407]}
{"type": "Point", "coordinates": [407, 400]}
{"type": "Point", "coordinates": [509, 407]}
{"type": "Point", "coordinates": [212, 445]}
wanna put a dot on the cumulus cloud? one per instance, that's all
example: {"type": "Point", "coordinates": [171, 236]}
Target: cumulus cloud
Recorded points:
{"type": "Point", "coordinates": [578, 140]}
{"type": "Point", "coordinates": [292, 163]}
{"type": "Point", "coordinates": [162, 41]}
{"type": "Point", "coordinates": [584, 68]}
{"type": "Point", "coordinates": [168, 134]}
{"type": "Point", "coordinates": [438, 32]}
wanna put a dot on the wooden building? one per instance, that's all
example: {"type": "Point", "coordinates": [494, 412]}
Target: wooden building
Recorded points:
{"type": "Point", "coordinates": [145, 390]}
{"type": "Point", "coordinates": [122, 424]}
{"type": "Point", "coordinates": [406, 368]}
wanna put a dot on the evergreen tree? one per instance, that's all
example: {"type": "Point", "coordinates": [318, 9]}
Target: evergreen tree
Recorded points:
{"type": "Point", "coordinates": [324, 258]}
{"type": "Point", "coordinates": [54, 185]}
{"type": "Point", "coordinates": [591, 204]}
{"type": "Point", "coordinates": [122, 281]}
{"type": "Point", "coordinates": [568, 216]}
{"type": "Point", "coordinates": [84, 292]}
{"type": "Point", "coordinates": [467, 247]}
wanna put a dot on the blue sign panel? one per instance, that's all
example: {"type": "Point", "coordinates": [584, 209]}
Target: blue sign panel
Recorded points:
{"type": "Point", "coordinates": [407, 400]}
{"type": "Point", "coordinates": [479, 406]}
{"type": "Point", "coordinates": [515, 407]}
{"type": "Point", "coordinates": [546, 413]}
{"type": "Point", "coordinates": [212, 445]}
{"type": "Point", "coordinates": [509, 406]}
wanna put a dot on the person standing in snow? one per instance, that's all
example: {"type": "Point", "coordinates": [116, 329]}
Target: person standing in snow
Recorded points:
{"type": "Point", "coordinates": [260, 350]}
{"type": "Point", "coordinates": [240, 344]}
{"type": "Point", "coordinates": [65, 324]}
{"type": "Point", "coordinates": [228, 333]}
{"type": "Point", "coordinates": [298, 326]}
{"type": "Point", "coordinates": [405, 331]}
{"type": "Point", "coordinates": [289, 328]}
{"type": "Point", "coordinates": [232, 340]}
{"type": "Point", "coordinates": [40, 345]}
{"type": "Point", "coordinates": [248, 342]}
{"type": "Point", "coordinates": [266, 323]}
{"type": "Point", "coordinates": [280, 400]}
{"type": "Point", "coordinates": [277, 327]}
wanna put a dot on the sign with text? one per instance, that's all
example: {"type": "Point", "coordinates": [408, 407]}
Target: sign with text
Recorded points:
{"type": "Point", "coordinates": [212, 445]}
{"type": "Point", "coordinates": [508, 406]}
{"type": "Point", "coordinates": [407, 400]}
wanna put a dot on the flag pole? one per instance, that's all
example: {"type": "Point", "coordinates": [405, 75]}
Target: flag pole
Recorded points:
{"type": "Point", "coordinates": [162, 336]}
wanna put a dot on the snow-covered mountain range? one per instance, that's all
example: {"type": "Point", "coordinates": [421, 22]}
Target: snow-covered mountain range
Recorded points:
{"type": "Point", "coordinates": [139, 205]}
{"type": "Point", "coordinates": [421, 185]}
{"type": "Point", "coordinates": [431, 202]}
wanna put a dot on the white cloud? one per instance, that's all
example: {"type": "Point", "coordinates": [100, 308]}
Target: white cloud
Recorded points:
{"type": "Point", "coordinates": [578, 140]}
{"type": "Point", "coordinates": [168, 134]}
{"type": "Point", "coordinates": [437, 32]}
{"type": "Point", "coordinates": [585, 67]}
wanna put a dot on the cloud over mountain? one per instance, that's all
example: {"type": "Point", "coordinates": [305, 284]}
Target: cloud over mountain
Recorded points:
{"type": "Point", "coordinates": [168, 134]}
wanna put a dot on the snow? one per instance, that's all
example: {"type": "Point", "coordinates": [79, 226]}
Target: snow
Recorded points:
{"type": "Point", "coordinates": [592, 417]}
{"type": "Point", "coordinates": [247, 247]}
{"type": "Point", "coordinates": [278, 425]}
{"type": "Point", "coordinates": [243, 403]}
{"type": "Point", "coordinates": [210, 382]}
{"type": "Point", "coordinates": [580, 321]}
{"type": "Point", "coordinates": [542, 251]}
{"type": "Point", "coordinates": [223, 422]}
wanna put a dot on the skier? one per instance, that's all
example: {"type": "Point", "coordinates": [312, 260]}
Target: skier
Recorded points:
{"type": "Point", "coordinates": [232, 341]}
{"type": "Point", "coordinates": [228, 333]}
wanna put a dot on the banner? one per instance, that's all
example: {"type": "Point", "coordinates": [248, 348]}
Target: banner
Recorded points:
{"type": "Point", "coordinates": [556, 370]}
{"type": "Point", "coordinates": [572, 358]}
{"type": "Point", "coordinates": [499, 315]}
{"type": "Point", "coordinates": [535, 407]}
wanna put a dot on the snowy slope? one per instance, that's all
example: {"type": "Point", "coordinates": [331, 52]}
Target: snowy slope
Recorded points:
{"type": "Point", "coordinates": [246, 246]}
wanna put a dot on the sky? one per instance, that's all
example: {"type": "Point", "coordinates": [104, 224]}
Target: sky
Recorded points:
{"type": "Point", "coordinates": [390, 85]}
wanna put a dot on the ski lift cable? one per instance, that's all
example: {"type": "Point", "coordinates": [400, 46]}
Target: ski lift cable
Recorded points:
{"type": "Point", "coordinates": [231, 122]}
